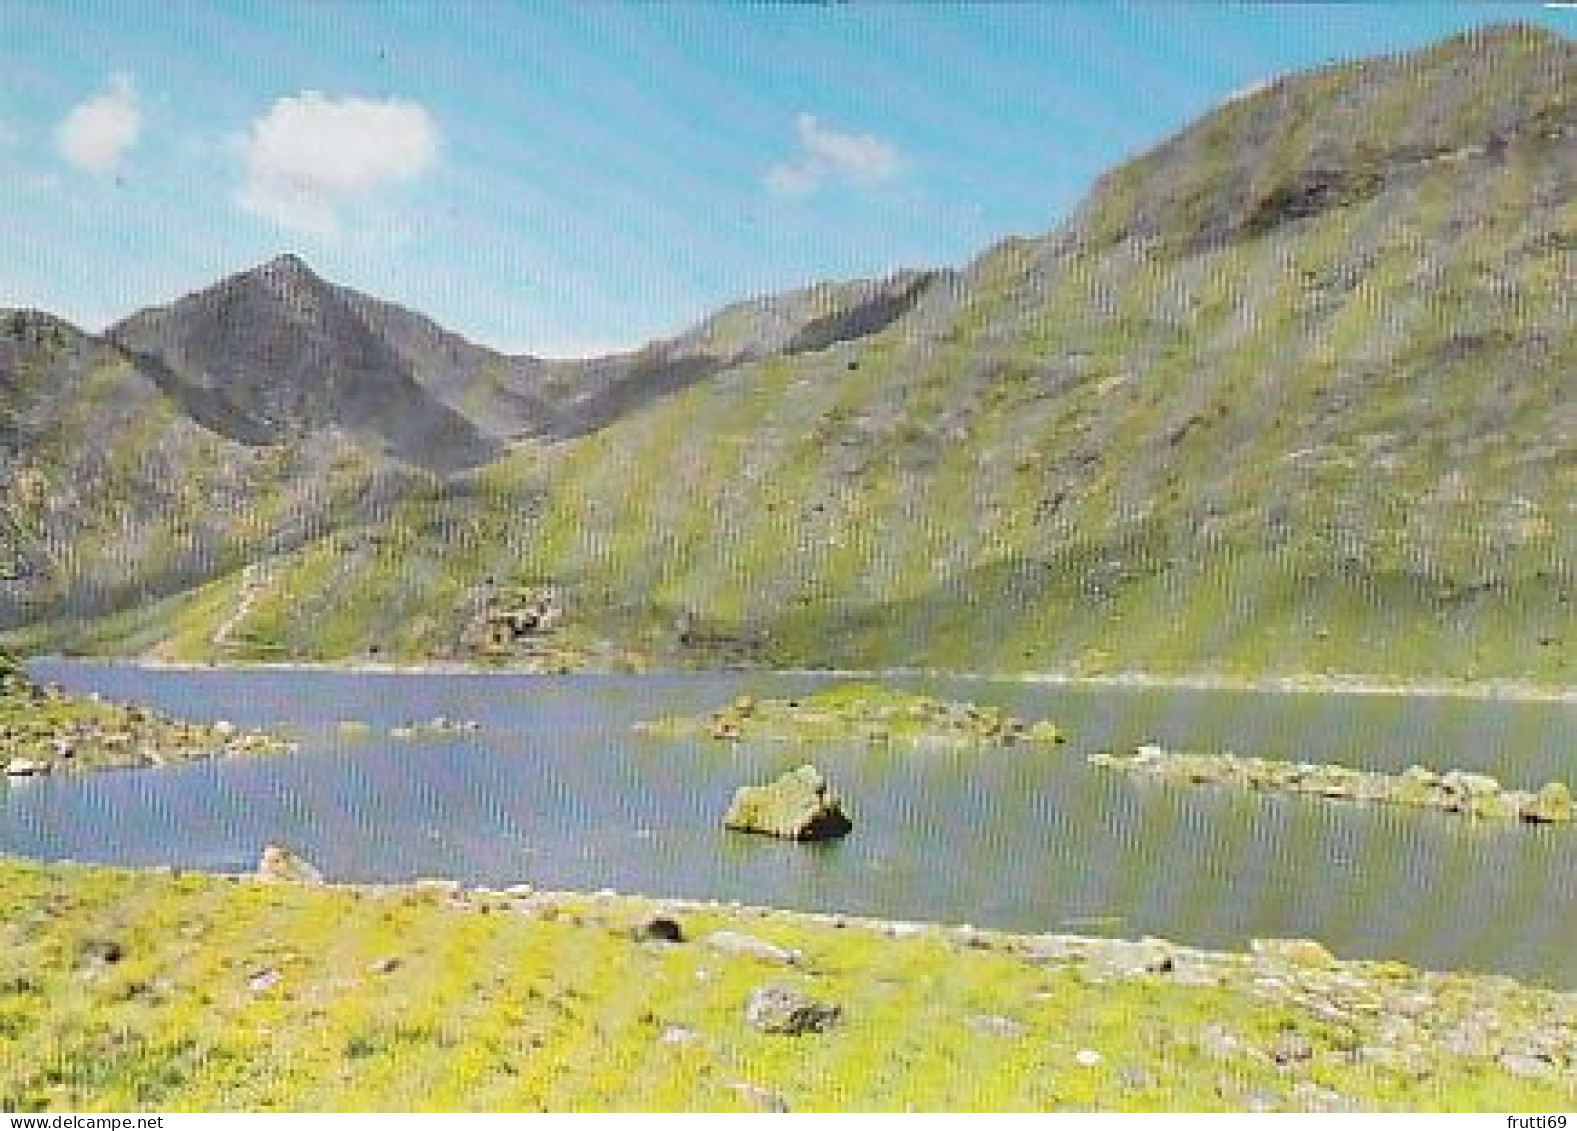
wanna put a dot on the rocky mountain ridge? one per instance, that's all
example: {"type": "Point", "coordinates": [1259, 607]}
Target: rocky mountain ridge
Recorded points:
{"type": "Point", "coordinates": [1290, 392]}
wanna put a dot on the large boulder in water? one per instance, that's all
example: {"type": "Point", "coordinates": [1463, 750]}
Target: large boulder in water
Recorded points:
{"type": "Point", "coordinates": [798, 806]}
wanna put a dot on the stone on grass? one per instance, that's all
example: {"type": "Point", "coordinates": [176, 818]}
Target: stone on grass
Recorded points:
{"type": "Point", "coordinates": [1527, 1067]}
{"type": "Point", "coordinates": [778, 1008]}
{"type": "Point", "coordinates": [660, 928]}
{"type": "Point", "coordinates": [1551, 804]}
{"type": "Point", "coordinates": [737, 942]}
{"type": "Point", "coordinates": [760, 1098]}
{"type": "Point", "coordinates": [798, 806]}
{"type": "Point", "coordinates": [280, 864]}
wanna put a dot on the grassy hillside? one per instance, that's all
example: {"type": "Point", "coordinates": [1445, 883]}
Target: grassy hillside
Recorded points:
{"type": "Point", "coordinates": [1289, 394]}
{"type": "Point", "coordinates": [125, 991]}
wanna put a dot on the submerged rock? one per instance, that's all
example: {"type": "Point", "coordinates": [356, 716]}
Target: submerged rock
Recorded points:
{"type": "Point", "coordinates": [798, 806]}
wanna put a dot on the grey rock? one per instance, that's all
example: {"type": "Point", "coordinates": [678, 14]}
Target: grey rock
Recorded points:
{"type": "Point", "coordinates": [997, 1026]}
{"type": "Point", "coordinates": [1291, 1048]}
{"type": "Point", "coordinates": [739, 943]}
{"type": "Point", "coordinates": [778, 1008]}
{"type": "Point", "coordinates": [1296, 952]}
{"type": "Point", "coordinates": [100, 952]}
{"type": "Point", "coordinates": [1401, 1061]}
{"type": "Point", "coordinates": [1220, 1042]}
{"type": "Point", "coordinates": [1315, 1098]}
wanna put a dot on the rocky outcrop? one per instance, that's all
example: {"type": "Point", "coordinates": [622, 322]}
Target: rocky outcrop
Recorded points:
{"type": "Point", "coordinates": [798, 806]}
{"type": "Point", "coordinates": [43, 730]}
{"type": "Point", "coordinates": [1455, 791]}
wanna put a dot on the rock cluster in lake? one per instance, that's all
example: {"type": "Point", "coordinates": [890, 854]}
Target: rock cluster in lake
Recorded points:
{"type": "Point", "coordinates": [1454, 791]}
{"type": "Point", "coordinates": [857, 712]}
{"type": "Point", "coordinates": [43, 731]}
{"type": "Point", "coordinates": [800, 805]}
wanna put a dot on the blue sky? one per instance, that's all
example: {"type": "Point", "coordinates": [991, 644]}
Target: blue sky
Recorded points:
{"type": "Point", "coordinates": [564, 179]}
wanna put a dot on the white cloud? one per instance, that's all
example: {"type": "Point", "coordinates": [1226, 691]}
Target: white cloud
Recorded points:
{"type": "Point", "coordinates": [311, 154]}
{"type": "Point", "coordinates": [827, 153]}
{"type": "Point", "coordinates": [99, 132]}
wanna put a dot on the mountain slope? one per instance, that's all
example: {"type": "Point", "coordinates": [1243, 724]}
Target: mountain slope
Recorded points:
{"type": "Point", "coordinates": [1230, 417]}
{"type": "Point", "coordinates": [274, 354]}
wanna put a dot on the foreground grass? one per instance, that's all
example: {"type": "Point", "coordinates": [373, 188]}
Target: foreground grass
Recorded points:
{"type": "Point", "coordinates": [130, 990]}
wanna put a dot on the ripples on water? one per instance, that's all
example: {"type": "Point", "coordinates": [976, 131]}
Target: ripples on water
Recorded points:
{"type": "Point", "coordinates": [556, 791]}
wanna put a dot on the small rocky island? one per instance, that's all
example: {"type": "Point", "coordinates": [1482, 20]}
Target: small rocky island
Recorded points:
{"type": "Point", "coordinates": [856, 712]}
{"type": "Point", "coordinates": [1454, 791]}
{"type": "Point", "coordinates": [44, 731]}
{"type": "Point", "coordinates": [800, 805]}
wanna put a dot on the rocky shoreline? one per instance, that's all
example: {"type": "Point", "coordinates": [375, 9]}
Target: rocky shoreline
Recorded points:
{"type": "Point", "coordinates": [1417, 787]}
{"type": "Point", "coordinates": [45, 731]}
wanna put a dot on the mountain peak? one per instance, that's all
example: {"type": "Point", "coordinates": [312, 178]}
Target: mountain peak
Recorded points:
{"type": "Point", "coordinates": [285, 274]}
{"type": "Point", "coordinates": [287, 263]}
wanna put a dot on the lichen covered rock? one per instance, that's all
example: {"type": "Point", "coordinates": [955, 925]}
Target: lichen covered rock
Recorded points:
{"type": "Point", "coordinates": [797, 806]}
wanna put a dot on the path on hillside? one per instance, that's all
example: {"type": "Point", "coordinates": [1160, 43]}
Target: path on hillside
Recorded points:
{"type": "Point", "coordinates": [255, 578]}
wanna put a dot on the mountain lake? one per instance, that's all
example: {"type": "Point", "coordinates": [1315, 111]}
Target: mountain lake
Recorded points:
{"type": "Point", "coordinates": [553, 789]}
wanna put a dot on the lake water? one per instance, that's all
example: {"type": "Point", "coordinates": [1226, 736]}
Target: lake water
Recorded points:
{"type": "Point", "coordinates": [556, 791]}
